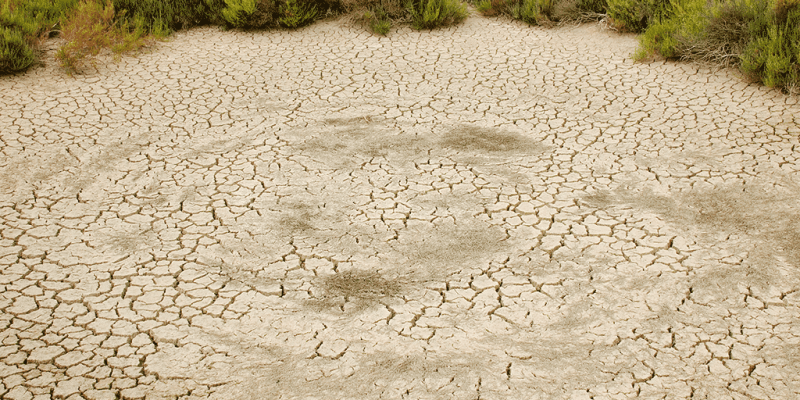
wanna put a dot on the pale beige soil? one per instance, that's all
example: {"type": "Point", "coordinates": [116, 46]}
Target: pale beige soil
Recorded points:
{"type": "Point", "coordinates": [489, 211]}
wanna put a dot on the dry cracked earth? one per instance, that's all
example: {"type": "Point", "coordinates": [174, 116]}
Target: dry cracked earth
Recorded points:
{"type": "Point", "coordinates": [489, 211]}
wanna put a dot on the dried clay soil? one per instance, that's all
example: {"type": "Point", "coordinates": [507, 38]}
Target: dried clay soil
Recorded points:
{"type": "Point", "coordinates": [488, 211]}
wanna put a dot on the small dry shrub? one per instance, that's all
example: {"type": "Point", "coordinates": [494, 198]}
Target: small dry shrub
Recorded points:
{"type": "Point", "coordinates": [92, 28]}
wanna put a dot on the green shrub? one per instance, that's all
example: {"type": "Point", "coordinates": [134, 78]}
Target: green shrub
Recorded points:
{"type": "Point", "coordinates": [92, 27]}
{"type": "Point", "coordinates": [491, 8]}
{"type": "Point", "coordinates": [250, 14]}
{"type": "Point", "coordinates": [593, 6]}
{"type": "Point", "coordinates": [725, 32]}
{"type": "Point", "coordinates": [659, 38]}
{"type": "Point", "coordinates": [429, 14]}
{"type": "Point", "coordinates": [532, 11]}
{"type": "Point", "coordinates": [237, 11]}
{"type": "Point", "coordinates": [536, 12]}
{"type": "Point", "coordinates": [175, 14]}
{"type": "Point", "coordinates": [293, 15]}
{"type": "Point", "coordinates": [132, 34]}
{"type": "Point", "coordinates": [87, 31]}
{"type": "Point", "coordinates": [24, 24]}
{"type": "Point", "coordinates": [674, 34]}
{"type": "Point", "coordinates": [760, 37]}
{"type": "Point", "coordinates": [381, 27]}
{"type": "Point", "coordinates": [377, 20]}
{"type": "Point", "coordinates": [35, 17]}
{"type": "Point", "coordinates": [636, 15]}
{"type": "Point", "coordinates": [47, 13]}
{"type": "Point", "coordinates": [16, 19]}
{"type": "Point", "coordinates": [696, 30]}
{"type": "Point", "coordinates": [16, 53]}
{"type": "Point", "coordinates": [775, 57]}
{"type": "Point", "coordinates": [578, 10]}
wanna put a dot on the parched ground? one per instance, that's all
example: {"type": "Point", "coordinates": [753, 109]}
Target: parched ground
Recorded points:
{"type": "Point", "coordinates": [490, 211]}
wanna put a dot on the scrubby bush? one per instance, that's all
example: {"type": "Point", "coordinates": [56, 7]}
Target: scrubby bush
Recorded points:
{"type": "Point", "coordinates": [250, 14]}
{"type": "Point", "coordinates": [725, 30]}
{"type": "Point", "coordinates": [774, 56]}
{"type": "Point", "coordinates": [759, 36]}
{"type": "Point", "coordinates": [87, 31]}
{"type": "Point", "coordinates": [294, 15]}
{"type": "Point", "coordinates": [237, 11]}
{"type": "Point", "coordinates": [175, 14]}
{"type": "Point", "coordinates": [637, 15]}
{"type": "Point", "coordinates": [47, 13]}
{"type": "Point", "coordinates": [490, 8]}
{"type": "Point", "coordinates": [578, 10]}
{"type": "Point", "coordinates": [378, 20]}
{"type": "Point", "coordinates": [16, 53]}
{"type": "Point", "coordinates": [23, 24]}
{"type": "Point", "coordinates": [428, 14]}
{"type": "Point", "coordinates": [92, 27]}
{"type": "Point", "coordinates": [538, 12]}
{"type": "Point", "coordinates": [533, 12]}
{"type": "Point", "coordinates": [258, 14]}
{"type": "Point", "coordinates": [671, 36]}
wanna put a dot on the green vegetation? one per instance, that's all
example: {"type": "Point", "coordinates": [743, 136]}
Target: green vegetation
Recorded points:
{"type": "Point", "coordinates": [15, 51]}
{"type": "Point", "coordinates": [636, 15]}
{"type": "Point", "coordinates": [532, 11]}
{"type": "Point", "coordinates": [175, 14]}
{"type": "Point", "coordinates": [545, 12]}
{"type": "Point", "coordinates": [93, 27]}
{"type": "Point", "coordinates": [429, 14]}
{"type": "Point", "coordinates": [760, 37]}
{"type": "Point", "coordinates": [293, 15]}
{"type": "Point", "coordinates": [23, 24]}
{"type": "Point", "coordinates": [377, 20]}
{"type": "Point", "coordinates": [249, 14]}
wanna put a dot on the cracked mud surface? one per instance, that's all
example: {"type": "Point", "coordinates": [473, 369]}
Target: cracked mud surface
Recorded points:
{"type": "Point", "coordinates": [490, 211]}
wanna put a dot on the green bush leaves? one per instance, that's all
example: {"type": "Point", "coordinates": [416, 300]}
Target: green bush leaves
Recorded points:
{"type": "Point", "coordinates": [15, 53]}
{"type": "Point", "coordinates": [293, 15]}
{"type": "Point", "coordinates": [429, 14]}
{"type": "Point", "coordinates": [762, 38]}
